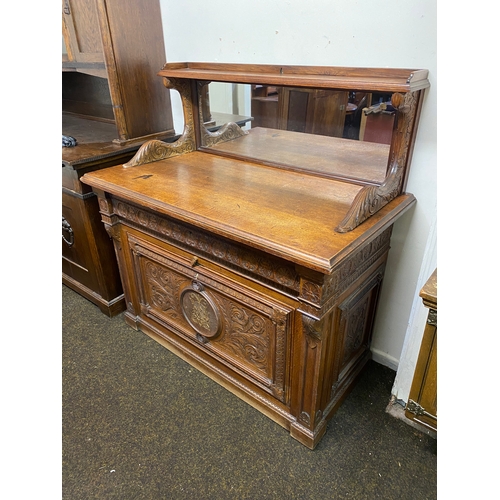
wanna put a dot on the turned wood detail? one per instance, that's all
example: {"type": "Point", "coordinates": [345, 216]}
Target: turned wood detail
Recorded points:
{"type": "Point", "coordinates": [156, 150]}
{"type": "Point", "coordinates": [372, 198]}
{"type": "Point", "coordinates": [227, 132]}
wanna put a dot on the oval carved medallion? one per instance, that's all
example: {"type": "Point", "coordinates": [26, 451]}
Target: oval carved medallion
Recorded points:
{"type": "Point", "coordinates": [200, 311]}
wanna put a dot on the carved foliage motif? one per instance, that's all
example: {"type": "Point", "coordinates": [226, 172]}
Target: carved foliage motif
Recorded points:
{"type": "Point", "coordinates": [311, 292]}
{"type": "Point", "coordinates": [162, 288]}
{"type": "Point", "coordinates": [372, 198]}
{"type": "Point", "coordinates": [200, 311]}
{"type": "Point", "coordinates": [245, 335]}
{"type": "Point", "coordinates": [355, 329]}
{"type": "Point", "coordinates": [227, 132]}
{"type": "Point", "coordinates": [239, 258]}
{"type": "Point", "coordinates": [155, 150]}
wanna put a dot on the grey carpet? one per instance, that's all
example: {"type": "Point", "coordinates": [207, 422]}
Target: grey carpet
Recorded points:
{"type": "Point", "coordinates": [140, 423]}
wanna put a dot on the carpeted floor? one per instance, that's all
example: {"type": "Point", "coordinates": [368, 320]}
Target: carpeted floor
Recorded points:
{"type": "Point", "coordinates": [139, 423]}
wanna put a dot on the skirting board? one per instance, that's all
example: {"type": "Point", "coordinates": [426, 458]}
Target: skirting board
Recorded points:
{"type": "Point", "coordinates": [384, 359]}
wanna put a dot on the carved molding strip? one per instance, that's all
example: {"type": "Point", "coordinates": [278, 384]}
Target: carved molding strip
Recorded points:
{"type": "Point", "coordinates": [342, 277]}
{"type": "Point", "coordinates": [265, 268]}
{"type": "Point", "coordinates": [227, 132]}
{"type": "Point", "coordinates": [155, 150]}
{"type": "Point", "coordinates": [357, 264]}
{"type": "Point", "coordinates": [372, 198]}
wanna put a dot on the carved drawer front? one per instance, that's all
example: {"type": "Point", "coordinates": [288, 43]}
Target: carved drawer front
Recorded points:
{"type": "Point", "coordinates": [244, 329]}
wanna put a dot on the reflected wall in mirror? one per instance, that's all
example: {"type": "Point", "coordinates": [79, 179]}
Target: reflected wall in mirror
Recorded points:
{"type": "Point", "coordinates": [338, 133]}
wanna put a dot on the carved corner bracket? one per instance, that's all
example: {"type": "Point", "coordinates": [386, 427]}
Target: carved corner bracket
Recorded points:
{"type": "Point", "coordinates": [313, 330]}
{"type": "Point", "coordinates": [372, 198]}
{"type": "Point", "coordinates": [227, 132]}
{"type": "Point", "coordinates": [155, 150]}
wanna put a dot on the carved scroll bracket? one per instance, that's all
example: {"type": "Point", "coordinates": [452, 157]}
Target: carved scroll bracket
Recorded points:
{"type": "Point", "coordinates": [227, 132]}
{"type": "Point", "coordinates": [108, 217]}
{"type": "Point", "coordinates": [156, 150]}
{"type": "Point", "coordinates": [372, 198]}
{"type": "Point", "coordinates": [313, 330]}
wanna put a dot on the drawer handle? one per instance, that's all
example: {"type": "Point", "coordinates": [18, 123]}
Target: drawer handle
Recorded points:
{"type": "Point", "coordinates": [68, 230]}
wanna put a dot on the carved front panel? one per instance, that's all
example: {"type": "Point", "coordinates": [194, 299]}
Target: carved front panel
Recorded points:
{"type": "Point", "coordinates": [239, 327]}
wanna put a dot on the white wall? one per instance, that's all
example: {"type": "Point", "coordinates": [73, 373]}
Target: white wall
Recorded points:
{"type": "Point", "coordinates": [376, 33]}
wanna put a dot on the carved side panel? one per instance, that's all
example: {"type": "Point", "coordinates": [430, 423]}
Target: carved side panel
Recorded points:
{"type": "Point", "coordinates": [354, 325]}
{"type": "Point", "coordinates": [238, 327]}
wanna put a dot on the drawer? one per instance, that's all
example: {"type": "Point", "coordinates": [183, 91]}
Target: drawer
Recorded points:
{"type": "Point", "coordinates": [245, 330]}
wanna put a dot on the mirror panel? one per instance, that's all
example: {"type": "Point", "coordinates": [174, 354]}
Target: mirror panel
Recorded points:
{"type": "Point", "coordinates": [343, 134]}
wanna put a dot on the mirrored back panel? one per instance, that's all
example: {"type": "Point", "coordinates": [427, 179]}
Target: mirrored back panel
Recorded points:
{"type": "Point", "coordinates": [338, 133]}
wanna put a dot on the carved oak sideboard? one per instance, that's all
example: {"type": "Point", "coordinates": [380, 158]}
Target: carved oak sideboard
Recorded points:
{"type": "Point", "coordinates": [257, 254]}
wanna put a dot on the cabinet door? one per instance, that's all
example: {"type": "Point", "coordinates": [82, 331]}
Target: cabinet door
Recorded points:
{"type": "Point", "coordinates": [81, 31]}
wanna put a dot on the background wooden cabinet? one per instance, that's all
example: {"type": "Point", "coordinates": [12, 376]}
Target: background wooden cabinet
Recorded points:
{"type": "Point", "coordinates": [112, 101]}
{"type": "Point", "coordinates": [422, 402]}
{"type": "Point", "coordinates": [312, 111]}
{"type": "Point", "coordinates": [88, 257]}
{"type": "Point", "coordinates": [115, 49]}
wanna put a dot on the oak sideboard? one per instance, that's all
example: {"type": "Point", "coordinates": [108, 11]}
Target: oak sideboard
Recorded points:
{"type": "Point", "coordinates": [256, 254]}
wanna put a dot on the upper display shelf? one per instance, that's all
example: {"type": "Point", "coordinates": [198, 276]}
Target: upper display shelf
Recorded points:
{"type": "Point", "coordinates": [353, 125]}
{"type": "Point", "coordinates": [370, 79]}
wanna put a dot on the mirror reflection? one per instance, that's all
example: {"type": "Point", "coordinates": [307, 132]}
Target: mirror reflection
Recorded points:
{"type": "Point", "coordinates": [282, 124]}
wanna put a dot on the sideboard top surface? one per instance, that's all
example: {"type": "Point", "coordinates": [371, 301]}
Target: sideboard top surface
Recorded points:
{"type": "Point", "coordinates": [286, 213]}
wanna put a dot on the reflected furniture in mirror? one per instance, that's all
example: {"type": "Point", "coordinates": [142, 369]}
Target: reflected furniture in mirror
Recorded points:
{"type": "Point", "coordinates": [257, 253]}
{"type": "Point", "coordinates": [112, 102]}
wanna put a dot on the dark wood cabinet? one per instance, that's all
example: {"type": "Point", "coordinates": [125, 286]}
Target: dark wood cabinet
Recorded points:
{"type": "Point", "coordinates": [88, 258]}
{"type": "Point", "coordinates": [258, 255]}
{"type": "Point", "coordinates": [112, 101]}
{"type": "Point", "coordinates": [313, 111]}
{"type": "Point", "coordinates": [422, 401]}
{"type": "Point", "coordinates": [114, 49]}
